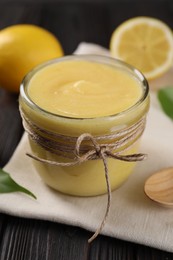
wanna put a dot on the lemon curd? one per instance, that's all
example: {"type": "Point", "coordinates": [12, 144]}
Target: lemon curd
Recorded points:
{"type": "Point", "coordinates": [83, 89]}
{"type": "Point", "coordinates": [83, 94]}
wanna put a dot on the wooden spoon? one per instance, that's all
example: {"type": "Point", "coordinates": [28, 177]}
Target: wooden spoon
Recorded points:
{"type": "Point", "coordinates": [159, 187]}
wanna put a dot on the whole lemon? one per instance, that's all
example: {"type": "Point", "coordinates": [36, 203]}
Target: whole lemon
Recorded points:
{"type": "Point", "coordinates": [22, 47]}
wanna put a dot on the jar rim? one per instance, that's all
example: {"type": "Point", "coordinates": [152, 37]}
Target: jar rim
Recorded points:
{"type": "Point", "coordinates": [85, 57]}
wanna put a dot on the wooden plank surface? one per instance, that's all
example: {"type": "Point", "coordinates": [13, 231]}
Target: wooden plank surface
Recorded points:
{"type": "Point", "coordinates": [26, 239]}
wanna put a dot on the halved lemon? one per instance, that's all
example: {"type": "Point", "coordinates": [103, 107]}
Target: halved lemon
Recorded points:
{"type": "Point", "coordinates": [146, 43]}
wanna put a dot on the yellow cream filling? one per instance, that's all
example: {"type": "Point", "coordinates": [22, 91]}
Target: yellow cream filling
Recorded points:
{"type": "Point", "coordinates": [83, 89]}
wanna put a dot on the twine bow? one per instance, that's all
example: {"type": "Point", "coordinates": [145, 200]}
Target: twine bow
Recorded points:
{"type": "Point", "coordinates": [99, 151]}
{"type": "Point", "coordinates": [87, 152]}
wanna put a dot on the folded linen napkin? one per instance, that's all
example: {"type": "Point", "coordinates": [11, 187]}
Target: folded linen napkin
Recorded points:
{"type": "Point", "coordinates": [132, 217]}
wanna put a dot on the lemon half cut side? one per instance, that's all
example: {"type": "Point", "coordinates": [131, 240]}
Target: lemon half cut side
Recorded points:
{"type": "Point", "coordinates": [146, 43]}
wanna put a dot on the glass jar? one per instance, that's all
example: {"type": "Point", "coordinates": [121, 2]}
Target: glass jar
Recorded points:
{"type": "Point", "coordinates": [88, 178]}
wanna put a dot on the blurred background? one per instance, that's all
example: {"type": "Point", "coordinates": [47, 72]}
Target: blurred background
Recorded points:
{"type": "Point", "coordinates": [83, 20]}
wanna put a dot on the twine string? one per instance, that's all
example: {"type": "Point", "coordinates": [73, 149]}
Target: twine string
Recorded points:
{"type": "Point", "coordinates": [109, 196]}
{"type": "Point", "coordinates": [80, 152]}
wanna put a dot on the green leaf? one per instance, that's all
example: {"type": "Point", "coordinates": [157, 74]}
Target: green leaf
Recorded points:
{"type": "Point", "coordinates": [165, 96]}
{"type": "Point", "coordinates": [7, 185]}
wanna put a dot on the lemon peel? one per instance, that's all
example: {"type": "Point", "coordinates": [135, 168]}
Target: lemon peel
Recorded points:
{"type": "Point", "coordinates": [22, 47]}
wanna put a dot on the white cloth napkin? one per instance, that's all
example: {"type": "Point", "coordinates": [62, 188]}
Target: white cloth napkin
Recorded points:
{"type": "Point", "coordinates": [132, 217]}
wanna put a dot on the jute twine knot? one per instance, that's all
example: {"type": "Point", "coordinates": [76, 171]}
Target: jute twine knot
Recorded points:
{"type": "Point", "coordinates": [120, 141]}
{"type": "Point", "coordinates": [97, 152]}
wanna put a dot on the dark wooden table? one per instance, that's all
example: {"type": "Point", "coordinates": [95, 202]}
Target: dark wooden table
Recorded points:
{"type": "Point", "coordinates": [28, 239]}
